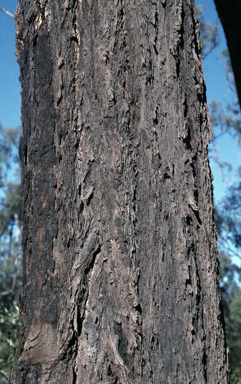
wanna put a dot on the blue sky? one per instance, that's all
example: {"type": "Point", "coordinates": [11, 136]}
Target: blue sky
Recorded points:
{"type": "Point", "coordinates": [218, 89]}
{"type": "Point", "coordinates": [9, 69]}
{"type": "Point", "coordinates": [214, 72]}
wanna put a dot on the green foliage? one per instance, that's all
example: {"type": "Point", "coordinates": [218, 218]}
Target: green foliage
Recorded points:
{"type": "Point", "coordinates": [231, 300]}
{"type": "Point", "coordinates": [225, 56]}
{"type": "Point", "coordinates": [227, 120]}
{"type": "Point", "coordinates": [209, 35]}
{"type": "Point", "coordinates": [8, 151]}
{"type": "Point", "coordinates": [10, 219]}
{"type": "Point", "coordinates": [10, 248]}
{"type": "Point", "coordinates": [11, 205]}
{"type": "Point", "coordinates": [9, 325]}
{"type": "Point", "coordinates": [228, 219]}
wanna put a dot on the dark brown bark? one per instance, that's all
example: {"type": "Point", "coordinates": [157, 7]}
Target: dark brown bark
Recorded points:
{"type": "Point", "coordinates": [120, 257]}
{"type": "Point", "coordinates": [230, 15]}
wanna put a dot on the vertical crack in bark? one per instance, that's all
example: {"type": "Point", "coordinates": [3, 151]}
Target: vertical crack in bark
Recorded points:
{"type": "Point", "coordinates": [127, 65]}
{"type": "Point", "coordinates": [76, 39]}
{"type": "Point", "coordinates": [88, 274]}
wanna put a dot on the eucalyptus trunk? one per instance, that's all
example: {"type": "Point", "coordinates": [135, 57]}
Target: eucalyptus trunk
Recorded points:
{"type": "Point", "coordinates": [120, 269]}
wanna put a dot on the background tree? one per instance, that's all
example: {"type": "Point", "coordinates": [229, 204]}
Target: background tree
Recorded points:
{"type": "Point", "coordinates": [120, 269]}
{"type": "Point", "coordinates": [10, 218]}
{"type": "Point", "coordinates": [10, 249]}
{"type": "Point", "coordinates": [226, 121]}
{"type": "Point", "coordinates": [209, 34]}
{"type": "Point", "coordinates": [231, 300]}
{"type": "Point", "coordinates": [229, 227]}
{"type": "Point", "coordinates": [230, 16]}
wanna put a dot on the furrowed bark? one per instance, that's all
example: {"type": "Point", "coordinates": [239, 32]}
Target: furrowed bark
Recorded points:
{"type": "Point", "coordinates": [120, 248]}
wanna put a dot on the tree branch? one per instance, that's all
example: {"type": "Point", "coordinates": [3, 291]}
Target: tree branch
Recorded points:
{"type": "Point", "coordinates": [8, 13]}
{"type": "Point", "coordinates": [14, 279]}
{"type": "Point", "coordinates": [10, 290]}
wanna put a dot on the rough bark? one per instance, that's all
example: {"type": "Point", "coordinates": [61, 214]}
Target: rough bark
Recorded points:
{"type": "Point", "coordinates": [120, 255]}
{"type": "Point", "coordinates": [230, 15]}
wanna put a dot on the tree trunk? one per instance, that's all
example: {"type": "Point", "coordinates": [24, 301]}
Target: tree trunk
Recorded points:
{"type": "Point", "coordinates": [120, 255]}
{"type": "Point", "coordinates": [230, 15]}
